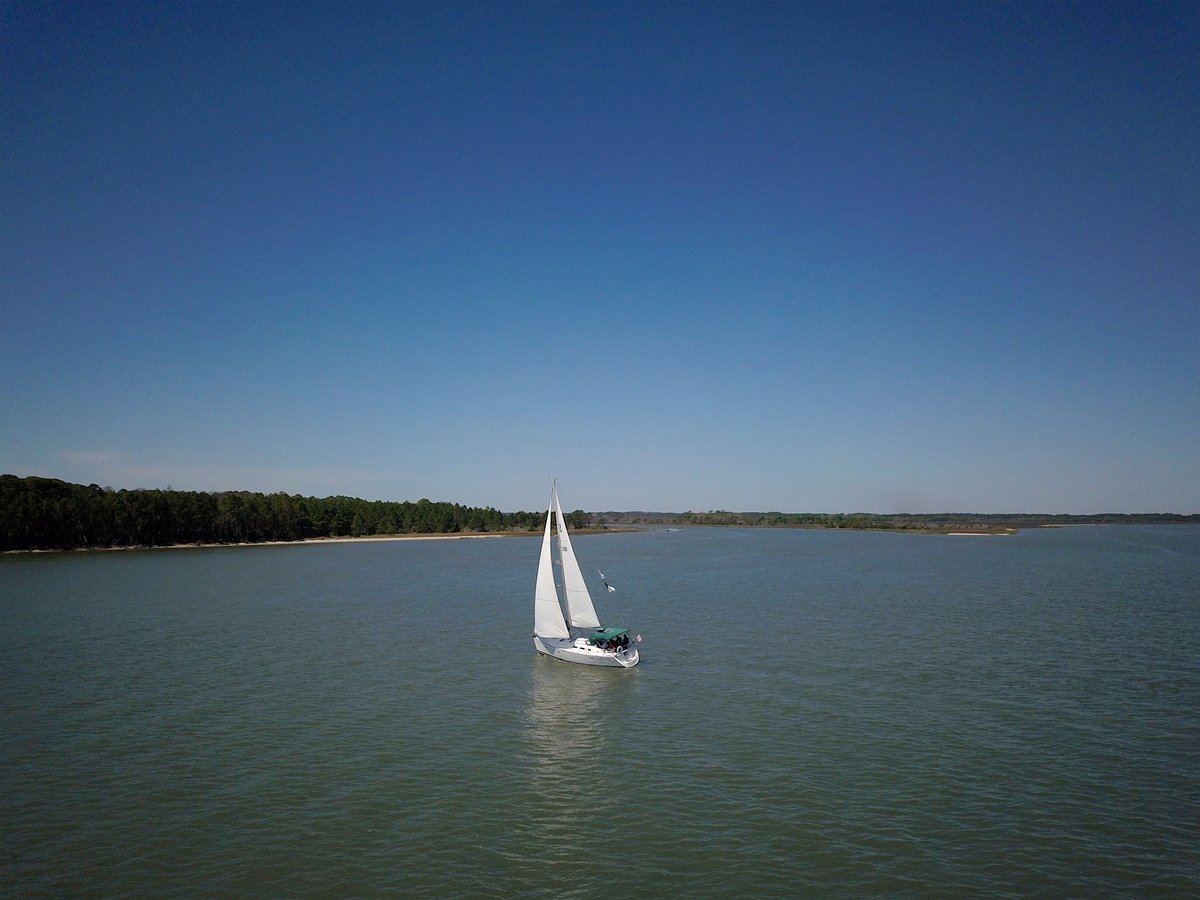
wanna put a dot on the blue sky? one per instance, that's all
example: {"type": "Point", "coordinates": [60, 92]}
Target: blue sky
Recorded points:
{"type": "Point", "coordinates": [801, 257]}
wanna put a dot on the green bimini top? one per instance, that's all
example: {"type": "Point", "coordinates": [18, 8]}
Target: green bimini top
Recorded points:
{"type": "Point", "coordinates": [606, 634]}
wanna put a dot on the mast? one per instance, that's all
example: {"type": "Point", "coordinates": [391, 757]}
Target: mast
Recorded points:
{"type": "Point", "coordinates": [581, 612]}
{"type": "Point", "coordinates": [548, 618]}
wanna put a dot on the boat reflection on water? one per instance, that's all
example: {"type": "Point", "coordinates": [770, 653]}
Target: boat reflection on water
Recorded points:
{"type": "Point", "coordinates": [573, 714]}
{"type": "Point", "coordinates": [575, 719]}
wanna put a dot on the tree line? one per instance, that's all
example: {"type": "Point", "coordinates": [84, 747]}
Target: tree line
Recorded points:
{"type": "Point", "coordinates": [50, 514]}
{"type": "Point", "coordinates": [909, 521]}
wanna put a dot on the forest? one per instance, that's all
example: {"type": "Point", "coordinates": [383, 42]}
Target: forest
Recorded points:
{"type": "Point", "coordinates": [50, 514]}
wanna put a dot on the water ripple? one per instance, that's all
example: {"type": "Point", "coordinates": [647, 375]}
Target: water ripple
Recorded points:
{"type": "Point", "coordinates": [849, 715]}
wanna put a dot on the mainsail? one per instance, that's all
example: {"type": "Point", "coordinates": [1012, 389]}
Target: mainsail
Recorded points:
{"type": "Point", "coordinates": [548, 619]}
{"type": "Point", "coordinates": [579, 601]}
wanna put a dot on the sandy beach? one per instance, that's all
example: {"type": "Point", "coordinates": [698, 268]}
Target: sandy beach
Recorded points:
{"type": "Point", "coordinates": [300, 543]}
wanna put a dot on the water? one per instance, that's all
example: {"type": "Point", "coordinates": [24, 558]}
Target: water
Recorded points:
{"type": "Point", "coordinates": [817, 712]}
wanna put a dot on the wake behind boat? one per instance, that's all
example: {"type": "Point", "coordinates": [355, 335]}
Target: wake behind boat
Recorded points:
{"type": "Point", "coordinates": [584, 640]}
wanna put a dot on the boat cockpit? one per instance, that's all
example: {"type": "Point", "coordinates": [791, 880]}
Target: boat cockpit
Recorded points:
{"type": "Point", "coordinates": [613, 639]}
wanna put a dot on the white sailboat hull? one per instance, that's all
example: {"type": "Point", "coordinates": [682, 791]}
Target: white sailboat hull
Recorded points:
{"type": "Point", "coordinates": [578, 650]}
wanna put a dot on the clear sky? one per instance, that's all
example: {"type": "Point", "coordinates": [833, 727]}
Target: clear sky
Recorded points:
{"type": "Point", "coordinates": [801, 257]}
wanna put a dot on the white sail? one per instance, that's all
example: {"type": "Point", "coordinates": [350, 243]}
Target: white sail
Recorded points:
{"type": "Point", "coordinates": [548, 618]}
{"type": "Point", "coordinates": [579, 601]}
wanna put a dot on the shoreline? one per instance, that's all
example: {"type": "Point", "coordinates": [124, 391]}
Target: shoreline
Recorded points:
{"type": "Point", "coordinates": [306, 542]}
{"type": "Point", "coordinates": [997, 531]}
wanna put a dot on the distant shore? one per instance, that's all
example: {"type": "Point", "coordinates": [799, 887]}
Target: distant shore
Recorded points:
{"type": "Point", "coordinates": [297, 543]}
{"type": "Point", "coordinates": [48, 514]}
{"type": "Point", "coordinates": [458, 536]}
{"type": "Point", "coordinates": [364, 539]}
{"type": "Point", "coordinates": [647, 527]}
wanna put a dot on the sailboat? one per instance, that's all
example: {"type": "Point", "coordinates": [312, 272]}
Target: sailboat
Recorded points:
{"type": "Point", "coordinates": [578, 636]}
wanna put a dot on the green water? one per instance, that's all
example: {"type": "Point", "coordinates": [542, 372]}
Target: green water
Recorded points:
{"type": "Point", "coordinates": [816, 713]}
